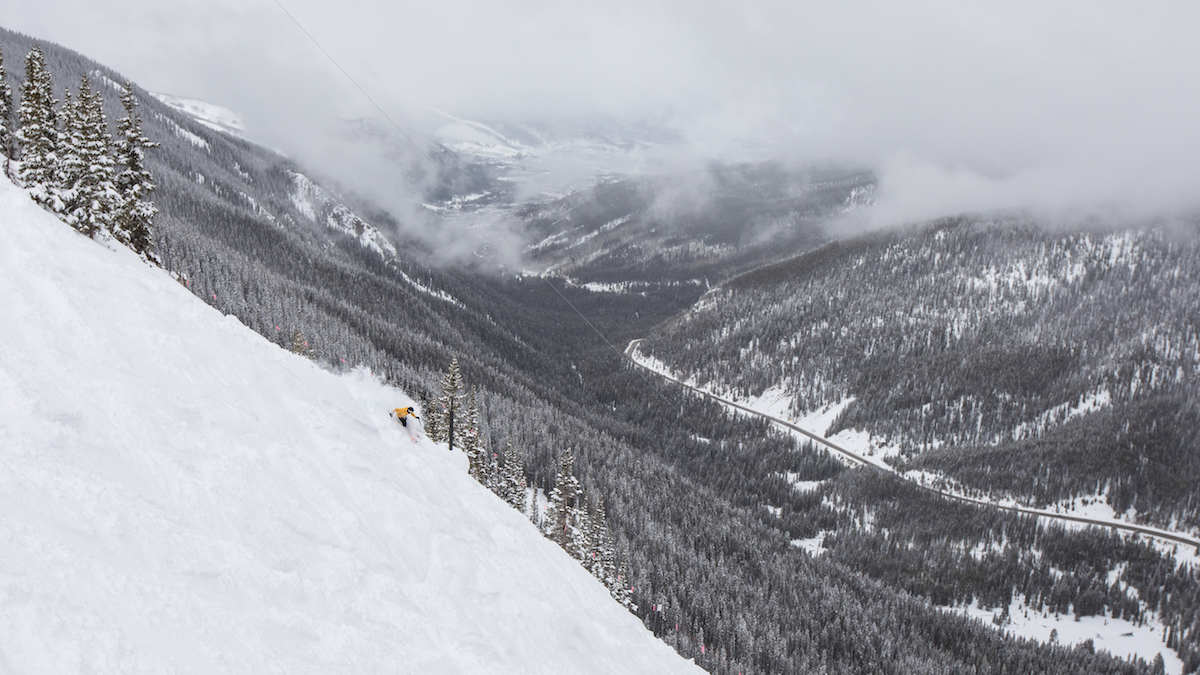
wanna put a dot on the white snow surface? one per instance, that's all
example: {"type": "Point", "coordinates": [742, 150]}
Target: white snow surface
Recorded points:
{"type": "Point", "coordinates": [181, 496]}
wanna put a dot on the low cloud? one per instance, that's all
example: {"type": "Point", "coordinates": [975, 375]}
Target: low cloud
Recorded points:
{"type": "Point", "coordinates": [1073, 105]}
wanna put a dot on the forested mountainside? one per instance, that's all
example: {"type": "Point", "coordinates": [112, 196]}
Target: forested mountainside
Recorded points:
{"type": "Point", "coordinates": [694, 228]}
{"type": "Point", "coordinates": [1042, 364]}
{"type": "Point", "coordinates": [1018, 360]}
{"type": "Point", "coordinates": [252, 235]}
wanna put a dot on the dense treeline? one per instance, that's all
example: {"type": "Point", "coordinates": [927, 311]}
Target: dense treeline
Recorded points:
{"type": "Point", "coordinates": [1049, 366]}
{"type": "Point", "coordinates": [684, 485]}
{"type": "Point", "coordinates": [66, 156]}
{"type": "Point", "coordinates": [958, 554]}
{"type": "Point", "coordinates": [727, 575]}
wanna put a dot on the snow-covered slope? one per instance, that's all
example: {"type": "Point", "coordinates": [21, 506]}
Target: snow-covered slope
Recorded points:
{"type": "Point", "coordinates": [210, 115]}
{"type": "Point", "coordinates": [179, 495]}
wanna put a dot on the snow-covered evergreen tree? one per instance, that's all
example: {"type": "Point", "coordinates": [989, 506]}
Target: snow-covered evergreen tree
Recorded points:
{"type": "Point", "coordinates": [448, 408]}
{"type": "Point", "coordinates": [300, 345]}
{"type": "Point", "coordinates": [38, 133]}
{"type": "Point", "coordinates": [535, 515]}
{"type": "Point", "coordinates": [562, 502]}
{"type": "Point", "coordinates": [134, 219]}
{"type": "Point", "coordinates": [86, 166]}
{"type": "Point", "coordinates": [621, 590]}
{"type": "Point", "coordinates": [472, 442]}
{"type": "Point", "coordinates": [580, 527]}
{"type": "Point", "coordinates": [69, 166]}
{"type": "Point", "coordinates": [512, 480]}
{"type": "Point", "coordinates": [432, 420]}
{"type": "Point", "coordinates": [602, 554]}
{"type": "Point", "coordinates": [6, 114]}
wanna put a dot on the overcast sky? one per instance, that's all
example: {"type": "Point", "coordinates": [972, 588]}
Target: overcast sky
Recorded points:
{"type": "Point", "coordinates": [960, 105]}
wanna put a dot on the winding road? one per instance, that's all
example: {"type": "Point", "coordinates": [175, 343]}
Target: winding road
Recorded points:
{"type": "Point", "coordinates": [863, 461]}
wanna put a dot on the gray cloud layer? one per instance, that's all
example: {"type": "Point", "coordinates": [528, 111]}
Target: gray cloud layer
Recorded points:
{"type": "Point", "coordinates": [1089, 104]}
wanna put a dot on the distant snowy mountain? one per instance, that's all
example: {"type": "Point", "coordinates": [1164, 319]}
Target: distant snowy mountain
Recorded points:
{"type": "Point", "coordinates": [691, 227]}
{"type": "Point", "coordinates": [553, 159]}
{"type": "Point", "coordinates": [210, 115]}
{"type": "Point", "coordinates": [180, 495]}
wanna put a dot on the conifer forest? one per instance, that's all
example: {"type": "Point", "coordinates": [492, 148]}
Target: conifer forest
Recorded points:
{"type": "Point", "coordinates": [1040, 363]}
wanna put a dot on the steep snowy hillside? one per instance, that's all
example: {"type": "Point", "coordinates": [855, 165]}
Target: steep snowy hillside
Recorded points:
{"type": "Point", "coordinates": [180, 495]}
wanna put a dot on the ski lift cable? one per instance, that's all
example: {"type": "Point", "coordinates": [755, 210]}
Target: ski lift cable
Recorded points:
{"type": "Point", "coordinates": [356, 85]}
{"type": "Point", "coordinates": [680, 416]}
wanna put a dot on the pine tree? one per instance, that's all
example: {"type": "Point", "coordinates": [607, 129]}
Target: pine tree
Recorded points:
{"type": "Point", "coordinates": [134, 219]}
{"type": "Point", "coordinates": [562, 501]}
{"type": "Point", "coordinates": [513, 478]}
{"type": "Point", "coordinates": [501, 486]}
{"type": "Point", "coordinates": [580, 528]}
{"type": "Point", "coordinates": [602, 554]}
{"type": "Point", "coordinates": [535, 516]}
{"type": "Point", "coordinates": [6, 115]}
{"type": "Point", "coordinates": [493, 468]}
{"type": "Point", "coordinates": [472, 443]}
{"type": "Point", "coordinates": [620, 589]}
{"type": "Point", "coordinates": [70, 165]}
{"type": "Point", "coordinates": [86, 168]}
{"type": "Point", "coordinates": [448, 408]}
{"type": "Point", "coordinates": [38, 134]}
{"type": "Point", "coordinates": [432, 419]}
{"type": "Point", "coordinates": [300, 345]}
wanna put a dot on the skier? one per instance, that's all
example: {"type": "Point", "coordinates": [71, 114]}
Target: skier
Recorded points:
{"type": "Point", "coordinates": [403, 415]}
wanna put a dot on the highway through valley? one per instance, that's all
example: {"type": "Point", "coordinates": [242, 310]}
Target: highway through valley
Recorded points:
{"type": "Point", "coordinates": [860, 460]}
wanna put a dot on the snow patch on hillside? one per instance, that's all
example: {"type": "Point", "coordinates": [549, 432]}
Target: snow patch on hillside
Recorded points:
{"type": "Point", "coordinates": [1062, 413]}
{"type": "Point", "coordinates": [434, 293]}
{"type": "Point", "coordinates": [210, 115]}
{"type": "Point", "coordinates": [1117, 636]}
{"type": "Point", "coordinates": [822, 418]}
{"type": "Point", "coordinates": [183, 133]}
{"type": "Point", "coordinates": [814, 546]}
{"type": "Point", "coordinates": [182, 496]}
{"type": "Point", "coordinates": [631, 287]}
{"type": "Point", "coordinates": [777, 402]}
{"type": "Point", "coordinates": [802, 486]}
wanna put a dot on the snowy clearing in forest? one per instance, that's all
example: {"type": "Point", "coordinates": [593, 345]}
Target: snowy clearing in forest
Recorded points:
{"type": "Point", "coordinates": [1117, 636]}
{"type": "Point", "coordinates": [814, 546]}
{"type": "Point", "coordinates": [801, 486]}
{"type": "Point", "coordinates": [182, 496]}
